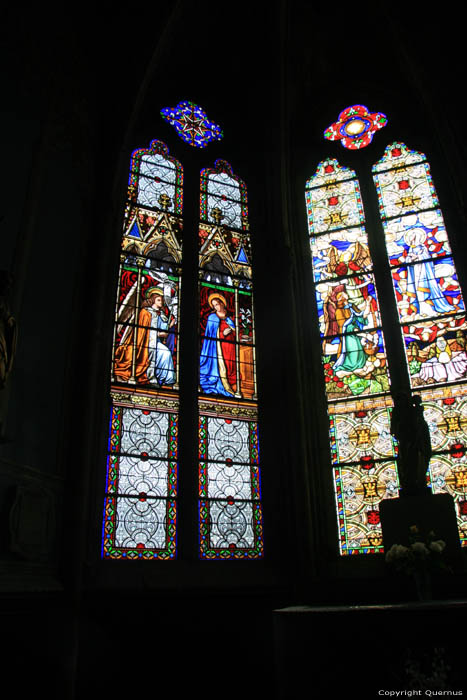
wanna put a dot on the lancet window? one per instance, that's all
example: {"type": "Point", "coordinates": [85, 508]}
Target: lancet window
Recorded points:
{"type": "Point", "coordinates": [353, 357]}
{"type": "Point", "coordinates": [141, 489]}
{"type": "Point", "coordinates": [431, 312]}
{"type": "Point", "coordinates": [356, 367]}
{"type": "Point", "coordinates": [141, 500]}
{"type": "Point", "coordinates": [229, 482]}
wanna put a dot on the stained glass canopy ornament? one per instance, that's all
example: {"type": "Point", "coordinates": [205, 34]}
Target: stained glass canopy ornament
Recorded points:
{"type": "Point", "coordinates": [192, 124]}
{"type": "Point", "coordinates": [355, 127]}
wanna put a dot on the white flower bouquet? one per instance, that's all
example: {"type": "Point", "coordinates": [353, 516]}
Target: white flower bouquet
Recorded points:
{"type": "Point", "coordinates": [420, 553]}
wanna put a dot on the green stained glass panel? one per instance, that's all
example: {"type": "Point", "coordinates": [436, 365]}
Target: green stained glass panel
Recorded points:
{"type": "Point", "coordinates": [354, 365]}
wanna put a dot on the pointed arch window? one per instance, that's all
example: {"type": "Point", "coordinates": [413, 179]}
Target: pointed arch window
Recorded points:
{"type": "Point", "coordinates": [431, 315]}
{"type": "Point", "coordinates": [141, 489]}
{"type": "Point", "coordinates": [431, 312]}
{"type": "Point", "coordinates": [141, 501]}
{"type": "Point", "coordinates": [229, 482]}
{"type": "Point", "coordinates": [353, 356]}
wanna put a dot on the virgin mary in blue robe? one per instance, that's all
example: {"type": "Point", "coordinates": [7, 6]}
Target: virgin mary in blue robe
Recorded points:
{"type": "Point", "coordinates": [213, 369]}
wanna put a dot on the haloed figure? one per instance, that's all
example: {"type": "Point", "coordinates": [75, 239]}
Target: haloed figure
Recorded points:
{"type": "Point", "coordinates": [153, 361]}
{"type": "Point", "coordinates": [217, 367]}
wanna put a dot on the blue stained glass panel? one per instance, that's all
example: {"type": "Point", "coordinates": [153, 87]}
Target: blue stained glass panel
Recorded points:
{"type": "Point", "coordinates": [340, 253]}
{"type": "Point", "coordinates": [192, 124]}
{"type": "Point", "coordinates": [427, 289]}
{"type": "Point", "coordinates": [416, 237]}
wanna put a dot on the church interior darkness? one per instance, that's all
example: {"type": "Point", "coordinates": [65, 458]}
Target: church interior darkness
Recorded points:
{"type": "Point", "coordinates": [81, 92]}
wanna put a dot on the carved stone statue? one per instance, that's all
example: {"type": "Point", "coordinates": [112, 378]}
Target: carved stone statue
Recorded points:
{"type": "Point", "coordinates": [8, 330]}
{"type": "Point", "coordinates": [412, 433]}
{"type": "Point", "coordinates": [8, 333]}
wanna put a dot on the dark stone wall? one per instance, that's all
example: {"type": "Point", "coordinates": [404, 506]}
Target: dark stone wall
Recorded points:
{"type": "Point", "coordinates": [81, 92]}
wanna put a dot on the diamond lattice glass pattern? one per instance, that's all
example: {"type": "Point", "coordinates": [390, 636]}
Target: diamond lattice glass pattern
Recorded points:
{"type": "Point", "coordinates": [228, 439]}
{"type": "Point", "coordinates": [141, 475]}
{"type": "Point", "coordinates": [140, 517]}
{"type": "Point", "coordinates": [144, 432]}
{"type": "Point", "coordinates": [232, 525]}
{"type": "Point", "coordinates": [141, 525]}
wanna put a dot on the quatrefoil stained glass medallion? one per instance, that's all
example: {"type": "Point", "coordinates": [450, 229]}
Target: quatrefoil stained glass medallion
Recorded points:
{"type": "Point", "coordinates": [355, 127]}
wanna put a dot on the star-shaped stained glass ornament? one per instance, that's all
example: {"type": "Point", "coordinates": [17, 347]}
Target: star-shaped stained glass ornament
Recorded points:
{"type": "Point", "coordinates": [355, 127]}
{"type": "Point", "coordinates": [192, 124]}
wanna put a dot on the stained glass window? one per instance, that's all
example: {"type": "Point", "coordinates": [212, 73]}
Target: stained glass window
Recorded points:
{"type": "Point", "coordinates": [230, 517]}
{"type": "Point", "coordinates": [140, 513]}
{"type": "Point", "coordinates": [353, 357]}
{"type": "Point", "coordinates": [192, 124]}
{"type": "Point", "coordinates": [141, 486]}
{"type": "Point", "coordinates": [355, 127]}
{"type": "Point", "coordinates": [431, 314]}
{"type": "Point", "coordinates": [431, 311]}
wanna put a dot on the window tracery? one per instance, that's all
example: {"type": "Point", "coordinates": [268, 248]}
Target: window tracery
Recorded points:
{"type": "Point", "coordinates": [431, 314]}
{"type": "Point", "coordinates": [141, 504]}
